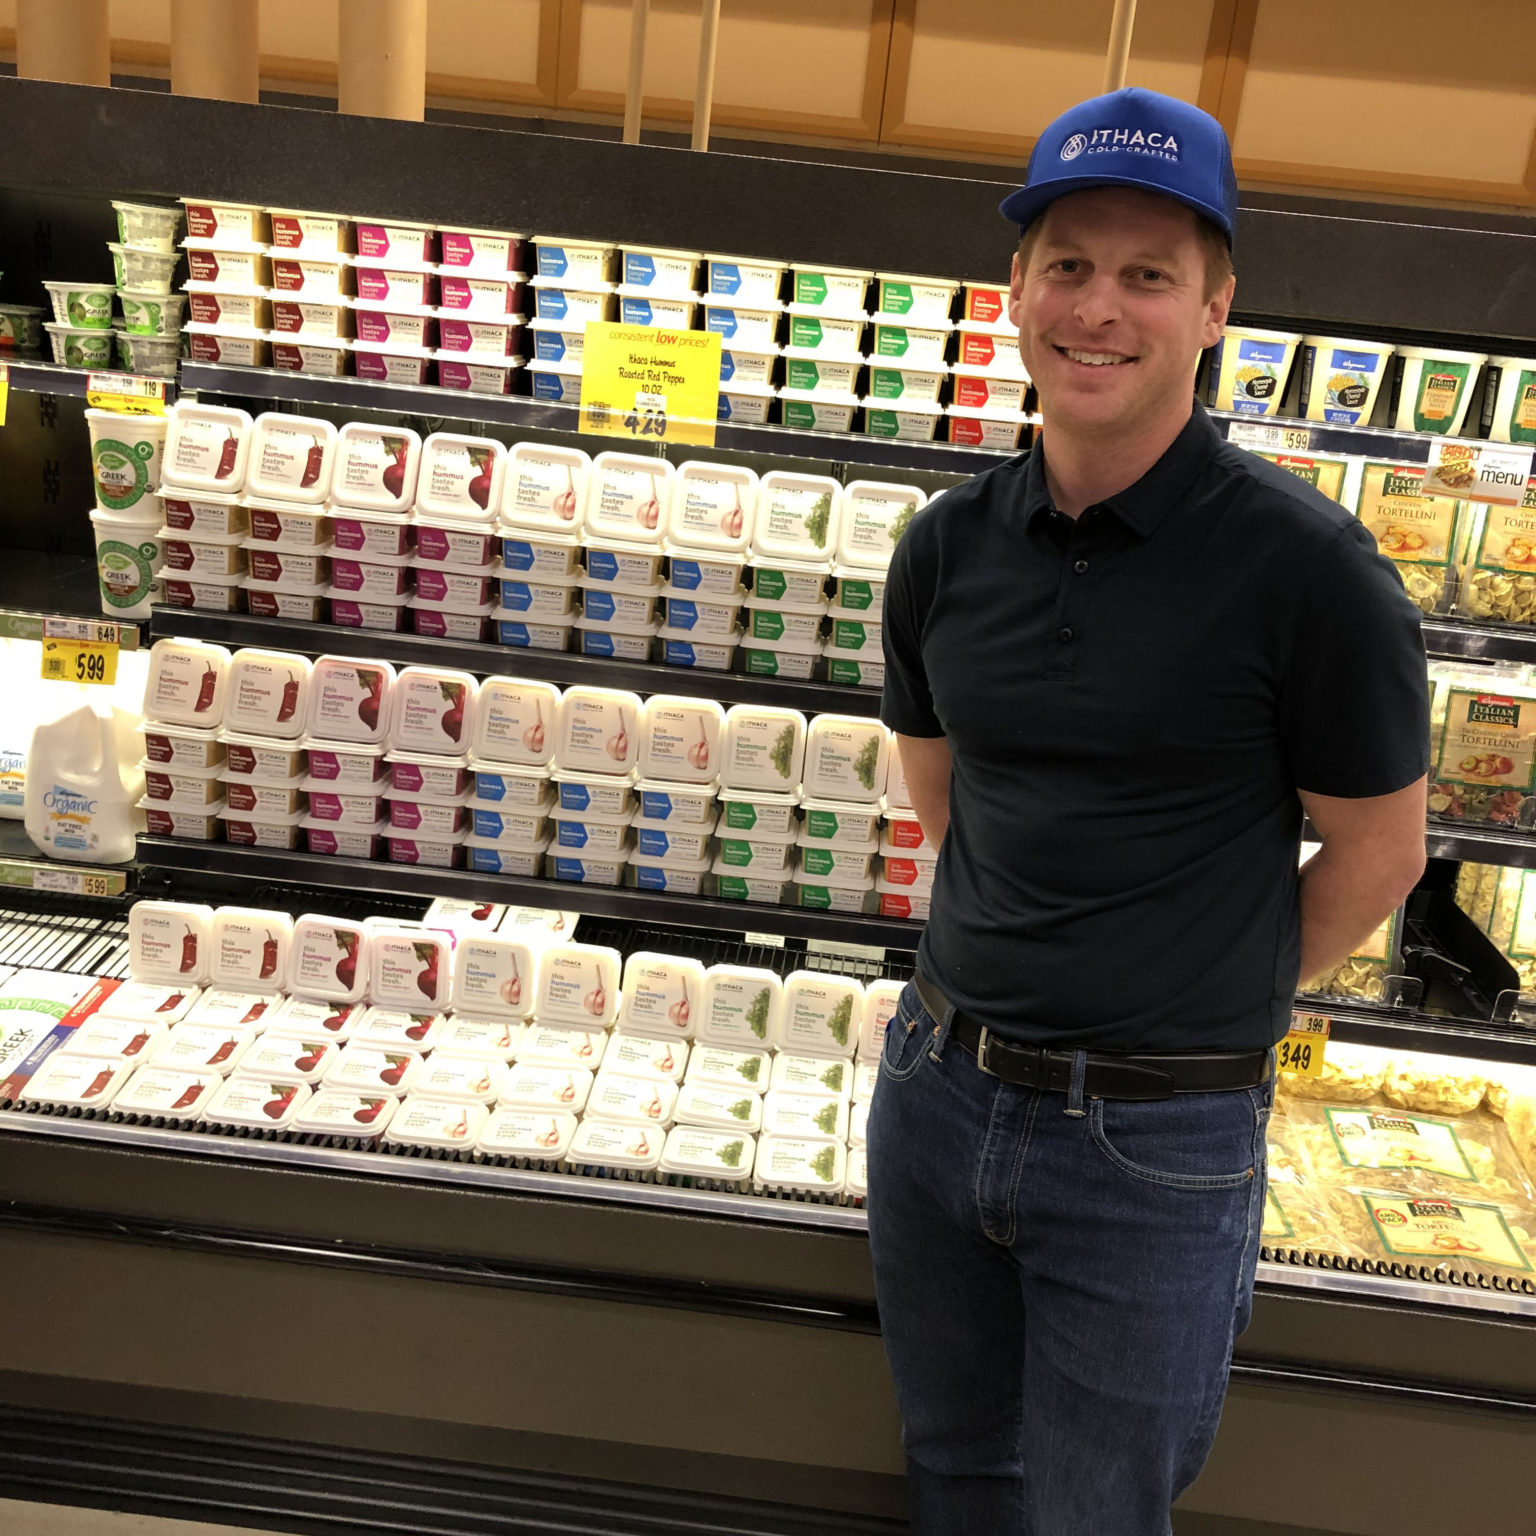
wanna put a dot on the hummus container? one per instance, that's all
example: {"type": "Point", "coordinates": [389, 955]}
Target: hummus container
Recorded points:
{"type": "Point", "coordinates": [579, 984]}
{"type": "Point", "coordinates": [562, 1048]}
{"type": "Point", "coordinates": [748, 279]}
{"type": "Point", "coordinates": [82, 306]}
{"type": "Point", "coordinates": [408, 968]}
{"type": "Point", "coordinates": [550, 601]}
{"type": "Point", "coordinates": [625, 1100]}
{"type": "Point", "coordinates": [442, 851]}
{"type": "Point", "coordinates": [825, 335]}
{"type": "Point", "coordinates": [221, 596]}
{"type": "Point", "coordinates": [314, 278]}
{"type": "Point", "coordinates": [997, 356]}
{"type": "Point", "coordinates": [679, 739]}
{"type": "Point", "coordinates": [151, 314]}
{"type": "Point", "coordinates": [21, 327]}
{"type": "Point", "coordinates": [464, 591]}
{"type": "Point", "coordinates": [344, 1117]}
{"type": "Point", "coordinates": [326, 359]}
{"type": "Point", "coordinates": [375, 470]}
{"type": "Point", "coordinates": [486, 251]}
{"type": "Point", "coordinates": [460, 1080]}
{"type": "Point", "coordinates": [1249, 369]}
{"type": "Point", "coordinates": [700, 618]}
{"type": "Point", "coordinates": [836, 823]}
{"type": "Point", "coordinates": [311, 319]}
{"type": "Point", "coordinates": [203, 515]}
{"type": "Point", "coordinates": [497, 858]}
{"type": "Point", "coordinates": [915, 422]}
{"type": "Point", "coordinates": [343, 807]}
{"type": "Point", "coordinates": [186, 786]}
{"type": "Point", "coordinates": [162, 1096]}
{"type": "Point", "coordinates": [393, 326]}
{"type": "Point", "coordinates": [744, 325]}
{"type": "Point", "coordinates": [193, 1047]}
{"type": "Point", "coordinates": [372, 538]}
{"type": "Point", "coordinates": [554, 341]}
{"type": "Point", "coordinates": [495, 1037]}
{"type": "Point", "coordinates": [793, 1168]}
{"type": "Point", "coordinates": [908, 873]}
{"type": "Point", "coordinates": [597, 731]}
{"type": "Point", "coordinates": [602, 796]}
{"type": "Point", "coordinates": [540, 559]}
{"type": "Point", "coordinates": [356, 767]}
{"type": "Point", "coordinates": [829, 290]}
{"type": "Point", "coordinates": [143, 1002]}
{"type": "Point", "coordinates": [747, 365]}
{"type": "Point", "coordinates": [498, 787]}
{"type": "Point", "coordinates": [224, 311]}
{"type": "Point", "coordinates": [393, 288]}
{"type": "Point", "coordinates": [126, 1040]}
{"type": "Point", "coordinates": [608, 1150]}
{"type": "Point", "coordinates": [515, 722]}
{"type": "Point", "coordinates": [460, 477]}
{"type": "Point", "coordinates": [668, 875]}
{"type": "Point", "coordinates": [577, 261]}
{"type": "Point", "coordinates": [836, 865]}
{"type": "Point", "coordinates": [918, 299]}
{"type": "Point", "coordinates": [721, 1109]}
{"type": "Point", "coordinates": [670, 841]}
{"type": "Point", "coordinates": [482, 338]}
{"type": "Point", "coordinates": [740, 1008]}
{"type": "Point", "coordinates": [508, 628]}
{"type": "Point", "coordinates": [202, 557]}
{"type": "Point", "coordinates": [147, 226]}
{"type": "Point", "coordinates": [661, 994]}
{"type": "Point", "coordinates": [168, 942]}
{"type": "Point", "coordinates": [479, 298]}
{"type": "Point", "coordinates": [341, 842]}
{"type": "Point", "coordinates": [735, 1071]}
{"type": "Point", "coordinates": [250, 830]}
{"type": "Point", "coordinates": [234, 348]}
{"type": "Point", "coordinates": [228, 268]}
{"type": "Point", "coordinates": [525, 1139]}
{"type": "Point", "coordinates": [197, 824]}
{"type": "Point", "coordinates": [428, 817]}
{"type": "Point", "coordinates": [480, 376]}
{"type": "Point", "coordinates": [665, 803]}
{"type": "Point", "coordinates": [814, 1116]}
{"type": "Point", "coordinates": [973, 428]}
{"type": "Point", "coordinates": [453, 547]}
{"type": "Point", "coordinates": [252, 1106]}
{"type": "Point", "coordinates": [797, 519]}
{"type": "Point", "coordinates": [81, 1083]}
{"type": "Point", "coordinates": [555, 381]}
{"type": "Point", "coordinates": [661, 1060]}
{"type": "Point", "coordinates": [769, 658]}
{"type": "Point", "coordinates": [509, 826]}
{"type": "Point", "coordinates": [289, 1059]}
{"type": "Point", "coordinates": [285, 570]}
{"type": "Point", "coordinates": [206, 447]}
{"type": "Point", "coordinates": [186, 683]}
{"type": "Point", "coordinates": [603, 637]}
{"type": "Point", "coordinates": [387, 242]}
{"type": "Point", "coordinates": [234, 224]}
{"type": "Point", "coordinates": [712, 579]}
{"type": "Point", "coordinates": [857, 591]}
{"type": "Point", "coordinates": [380, 578]}
{"type": "Point", "coordinates": [603, 604]}
{"type": "Point", "coordinates": [817, 413]}
{"type": "Point", "coordinates": [277, 761]}
{"type": "Point", "coordinates": [631, 568]}
{"type": "Point", "coordinates": [625, 497]}
{"type": "Point", "coordinates": [305, 1016]}
{"type": "Point", "coordinates": [589, 834]}
{"type": "Point", "coordinates": [901, 903]}
{"type": "Point", "coordinates": [1509, 400]}
{"type": "Point", "coordinates": [392, 364]}
{"type": "Point", "coordinates": [446, 623]}
{"type": "Point", "coordinates": [762, 749]}
{"type": "Point", "coordinates": [1340, 379]}
{"type": "Point", "coordinates": [365, 1069]}
{"type": "Point", "coordinates": [141, 271]}
{"type": "Point", "coordinates": [986, 304]}
{"type": "Point", "coordinates": [745, 404]}
{"type": "Point", "coordinates": [80, 348]}
{"type": "Point", "coordinates": [555, 298]}
{"type": "Point", "coordinates": [348, 702]}
{"type": "Point", "coordinates": [786, 627]}
{"type": "Point", "coordinates": [436, 778]}
{"type": "Point", "coordinates": [1433, 388]}
{"type": "Point", "coordinates": [857, 638]}
{"type": "Point", "coordinates": [180, 746]}
{"type": "Point", "coordinates": [432, 711]}
{"type": "Point", "coordinates": [875, 516]}
{"type": "Point", "coordinates": [900, 385]}
{"type": "Point", "coordinates": [585, 871]}
{"type": "Point", "coordinates": [813, 891]}
{"type": "Point", "coordinates": [641, 306]}
{"type": "Point", "coordinates": [983, 393]}
{"type": "Point", "coordinates": [680, 649]}
{"type": "Point", "coordinates": [880, 1002]}
{"type": "Point", "coordinates": [654, 270]}
{"type": "Point", "coordinates": [739, 856]}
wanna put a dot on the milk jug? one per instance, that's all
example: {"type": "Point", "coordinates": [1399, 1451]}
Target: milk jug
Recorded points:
{"type": "Point", "coordinates": [82, 784]}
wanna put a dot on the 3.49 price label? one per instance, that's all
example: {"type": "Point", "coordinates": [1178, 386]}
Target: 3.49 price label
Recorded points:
{"type": "Point", "coordinates": [79, 661]}
{"type": "Point", "coordinates": [1302, 1049]}
{"type": "Point", "coordinates": [647, 383]}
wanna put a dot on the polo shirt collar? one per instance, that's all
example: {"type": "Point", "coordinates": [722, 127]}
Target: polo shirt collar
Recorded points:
{"type": "Point", "coordinates": [1142, 506]}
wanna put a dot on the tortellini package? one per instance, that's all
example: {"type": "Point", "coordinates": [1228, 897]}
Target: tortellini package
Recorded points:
{"type": "Point", "coordinates": [1434, 1085]}
{"type": "Point", "coordinates": [1352, 1074]}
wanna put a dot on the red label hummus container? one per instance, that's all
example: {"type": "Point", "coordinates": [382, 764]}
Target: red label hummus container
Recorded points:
{"type": "Point", "coordinates": [387, 242]}
{"type": "Point", "coordinates": [326, 359]}
{"type": "Point", "coordinates": [232, 224]}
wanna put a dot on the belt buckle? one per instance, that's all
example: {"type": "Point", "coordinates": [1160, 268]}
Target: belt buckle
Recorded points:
{"type": "Point", "coordinates": [981, 1053]}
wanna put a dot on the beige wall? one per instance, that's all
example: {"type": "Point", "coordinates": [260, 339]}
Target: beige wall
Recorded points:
{"type": "Point", "coordinates": [1414, 98]}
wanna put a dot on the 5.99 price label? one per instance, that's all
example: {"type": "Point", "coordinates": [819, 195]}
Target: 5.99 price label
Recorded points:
{"type": "Point", "coordinates": [1302, 1049]}
{"type": "Point", "coordinates": [79, 661]}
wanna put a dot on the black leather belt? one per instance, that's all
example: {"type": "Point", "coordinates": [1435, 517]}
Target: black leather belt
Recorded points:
{"type": "Point", "coordinates": [1149, 1075]}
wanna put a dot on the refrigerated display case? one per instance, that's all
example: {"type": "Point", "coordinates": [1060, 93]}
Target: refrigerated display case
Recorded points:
{"type": "Point", "coordinates": [374, 1332]}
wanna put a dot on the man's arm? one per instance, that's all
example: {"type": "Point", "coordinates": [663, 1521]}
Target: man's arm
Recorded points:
{"type": "Point", "coordinates": [925, 760]}
{"type": "Point", "coordinates": [1372, 856]}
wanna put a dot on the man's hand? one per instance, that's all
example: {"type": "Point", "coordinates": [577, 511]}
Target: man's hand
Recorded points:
{"type": "Point", "coordinates": [1372, 856]}
{"type": "Point", "coordinates": [926, 762]}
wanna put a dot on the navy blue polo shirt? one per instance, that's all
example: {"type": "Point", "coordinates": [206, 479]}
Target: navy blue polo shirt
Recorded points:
{"type": "Point", "coordinates": [1132, 699]}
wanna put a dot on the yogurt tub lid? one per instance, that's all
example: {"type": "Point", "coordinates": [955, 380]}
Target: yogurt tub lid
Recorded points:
{"type": "Point", "coordinates": [283, 584]}
{"type": "Point", "coordinates": [1445, 354]}
{"type": "Point", "coordinates": [577, 285]}
{"type": "Point", "coordinates": [612, 626]}
{"type": "Point", "coordinates": [76, 330]}
{"type": "Point", "coordinates": [264, 818]}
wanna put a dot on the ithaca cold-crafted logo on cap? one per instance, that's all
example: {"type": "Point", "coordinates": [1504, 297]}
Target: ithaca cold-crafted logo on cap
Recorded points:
{"type": "Point", "coordinates": [1134, 141]}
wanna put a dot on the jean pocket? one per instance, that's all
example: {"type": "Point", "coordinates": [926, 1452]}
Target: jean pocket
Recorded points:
{"type": "Point", "coordinates": [907, 1037]}
{"type": "Point", "coordinates": [1194, 1141]}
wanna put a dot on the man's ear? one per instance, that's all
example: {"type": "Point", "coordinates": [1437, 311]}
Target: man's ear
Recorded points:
{"type": "Point", "coordinates": [1217, 310]}
{"type": "Point", "coordinates": [1015, 290]}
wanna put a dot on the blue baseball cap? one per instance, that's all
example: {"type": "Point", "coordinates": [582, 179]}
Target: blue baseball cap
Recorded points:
{"type": "Point", "coordinates": [1132, 138]}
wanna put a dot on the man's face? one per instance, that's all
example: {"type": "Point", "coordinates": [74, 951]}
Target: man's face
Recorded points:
{"type": "Point", "coordinates": [1111, 310]}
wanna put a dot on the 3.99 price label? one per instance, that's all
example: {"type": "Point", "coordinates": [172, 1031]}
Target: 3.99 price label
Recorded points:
{"type": "Point", "coordinates": [1302, 1049]}
{"type": "Point", "coordinates": [79, 661]}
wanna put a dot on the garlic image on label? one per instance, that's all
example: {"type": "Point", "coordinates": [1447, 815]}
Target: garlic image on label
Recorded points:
{"type": "Point", "coordinates": [661, 995]}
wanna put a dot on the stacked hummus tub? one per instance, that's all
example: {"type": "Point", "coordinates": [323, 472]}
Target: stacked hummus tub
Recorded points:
{"type": "Point", "coordinates": [795, 532]}
{"type": "Point", "coordinates": [875, 515]}
{"type": "Point", "coordinates": [762, 759]}
{"type": "Point", "coordinates": [575, 283]}
{"type": "Point", "coordinates": [744, 304]}
{"type": "Point", "coordinates": [342, 761]}
{"type": "Point", "coordinates": [622, 531]}
{"type": "Point", "coordinates": [229, 277]}
{"type": "Point", "coordinates": [482, 296]}
{"type": "Point", "coordinates": [904, 878]}
{"type": "Point", "coordinates": [312, 287]}
{"type": "Point", "coordinates": [844, 777]}
{"type": "Point", "coordinates": [990, 383]}
{"type": "Point", "coordinates": [289, 470]}
{"type": "Point", "coordinates": [824, 359]}
{"type": "Point", "coordinates": [373, 489]}
{"type": "Point", "coordinates": [185, 694]}
{"type": "Point", "coordinates": [431, 726]}
{"type": "Point", "coordinates": [542, 510]}
{"type": "Point", "coordinates": [596, 752]}
{"type": "Point", "coordinates": [450, 586]}
{"type": "Point", "coordinates": [510, 751]}
{"type": "Point", "coordinates": [711, 514]}
{"type": "Point", "coordinates": [205, 520]}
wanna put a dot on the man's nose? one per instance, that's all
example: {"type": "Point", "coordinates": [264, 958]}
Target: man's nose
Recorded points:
{"type": "Point", "coordinates": [1098, 302]}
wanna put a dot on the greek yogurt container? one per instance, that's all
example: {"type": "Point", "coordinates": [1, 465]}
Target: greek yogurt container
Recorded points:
{"type": "Point", "coordinates": [21, 327]}
{"type": "Point", "coordinates": [147, 226]}
{"type": "Point", "coordinates": [82, 306]}
{"type": "Point", "coordinates": [142, 271]}
{"type": "Point", "coordinates": [80, 348]}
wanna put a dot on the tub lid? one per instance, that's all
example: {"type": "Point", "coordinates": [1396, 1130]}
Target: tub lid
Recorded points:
{"type": "Point", "coordinates": [570, 370]}
{"type": "Point", "coordinates": [586, 285]}
{"type": "Point", "coordinates": [751, 600]}
{"type": "Point", "coordinates": [325, 744]}
{"type": "Point", "coordinates": [544, 323]}
{"type": "Point", "coordinates": [784, 799]}
{"type": "Point", "coordinates": [428, 839]}
{"type": "Point", "coordinates": [373, 790]}
{"type": "Point", "coordinates": [885, 888]}
{"type": "Point", "coordinates": [746, 261]}
{"type": "Point", "coordinates": [699, 866]}
{"type": "Point", "coordinates": [817, 266]}
{"type": "Point", "coordinates": [29, 309]}
{"type": "Point", "coordinates": [750, 389]}
{"type": "Point", "coordinates": [185, 536]}
{"type": "Point", "coordinates": [319, 824]}
{"type": "Point", "coordinates": [694, 595]}
{"type": "Point", "coordinates": [264, 818]}
{"type": "Point", "coordinates": [394, 306]}
{"type": "Point", "coordinates": [991, 413]}
{"type": "Point", "coordinates": [185, 772]}
{"type": "Point", "coordinates": [816, 312]}
{"type": "Point", "coordinates": [906, 407]}
{"type": "Point", "coordinates": [468, 610]}
{"type": "Point", "coordinates": [581, 776]}
{"type": "Point", "coordinates": [504, 845]}
{"type": "Point", "coordinates": [226, 332]}
{"type": "Point", "coordinates": [585, 818]}
{"type": "Point", "coordinates": [181, 807]}
{"type": "Point", "coordinates": [499, 572]}
{"type": "Point", "coordinates": [517, 616]}
{"type": "Point", "coordinates": [694, 638]}
{"type": "Point", "coordinates": [750, 306]}
{"type": "Point", "coordinates": [284, 586]}
{"type": "Point", "coordinates": [953, 284]}
{"type": "Point", "coordinates": [1444, 354]}
{"type": "Point", "coordinates": [836, 882]}
{"type": "Point", "coordinates": [475, 359]}
{"type": "Point", "coordinates": [703, 828]}
{"type": "Point", "coordinates": [870, 845]}
{"type": "Point", "coordinates": [182, 732]}
{"type": "Point", "coordinates": [640, 291]}
{"type": "Point", "coordinates": [650, 588]}
{"type": "Point", "coordinates": [612, 626]}
{"type": "Point", "coordinates": [365, 600]}
{"type": "Point", "coordinates": [479, 764]}
{"type": "Point", "coordinates": [211, 498]}
{"type": "Point", "coordinates": [819, 397]}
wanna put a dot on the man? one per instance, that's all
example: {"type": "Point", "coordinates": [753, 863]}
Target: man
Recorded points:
{"type": "Point", "coordinates": [1120, 668]}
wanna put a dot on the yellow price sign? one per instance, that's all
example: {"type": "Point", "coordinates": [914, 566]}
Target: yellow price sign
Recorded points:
{"type": "Point", "coordinates": [79, 661]}
{"type": "Point", "coordinates": [1302, 1049]}
{"type": "Point", "coordinates": [5, 392]}
{"type": "Point", "coordinates": [129, 394]}
{"type": "Point", "coordinates": [644, 382]}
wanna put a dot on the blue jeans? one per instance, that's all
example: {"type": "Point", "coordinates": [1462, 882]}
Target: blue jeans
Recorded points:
{"type": "Point", "coordinates": [1060, 1281]}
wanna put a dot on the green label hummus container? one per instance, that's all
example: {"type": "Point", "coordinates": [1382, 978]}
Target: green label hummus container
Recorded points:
{"type": "Point", "coordinates": [798, 519]}
{"type": "Point", "coordinates": [742, 856]}
{"type": "Point", "coordinates": [1432, 389]}
{"type": "Point", "coordinates": [825, 335]}
{"type": "Point", "coordinates": [696, 1158]}
{"type": "Point", "coordinates": [762, 748]}
{"type": "Point", "coordinates": [1340, 378]}
{"type": "Point", "coordinates": [776, 658]}
{"type": "Point", "coordinates": [897, 385]}
{"type": "Point", "coordinates": [1509, 400]}
{"type": "Point", "coordinates": [916, 299]}
{"type": "Point", "coordinates": [811, 412]}
{"type": "Point", "coordinates": [913, 346]}
{"type": "Point", "coordinates": [795, 1169]}
{"type": "Point", "coordinates": [829, 290]}
{"type": "Point", "coordinates": [810, 371]}
{"type": "Point", "coordinates": [912, 421]}
{"type": "Point", "coordinates": [839, 823]}
{"type": "Point", "coordinates": [786, 628]}
{"type": "Point", "coordinates": [758, 814]}
{"type": "Point", "coordinates": [734, 885]}
{"type": "Point", "coordinates": [845, 759]}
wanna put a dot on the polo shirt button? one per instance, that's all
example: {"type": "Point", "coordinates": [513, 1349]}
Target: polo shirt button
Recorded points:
{"type": "Point", "coordinates": [1064, 635]}
{"type": "Point", "coordinates": [1080, 567]}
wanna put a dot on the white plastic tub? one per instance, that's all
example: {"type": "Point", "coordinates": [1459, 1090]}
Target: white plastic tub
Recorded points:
{"type": "Point", "coordinates": [1249, 369]}
{"type": "Point", "coordinates": [626, 495]}
{"type": "Point", "coordinates": [481, 251]}
{"type": "Point", "coordinates": [1433, 388]}
{"type": "Point", "coordinates": [206, 447]}
{"type": "Point", "coordinates": [432, 711]}
{"type": "Point", "coordinates": [460, 477]}
{"type": "Point", "coordinates": [147, 226]}
{"type": "Point", "coordinates": [797, 517]}
{"type": "Point", "coordinates": [754, 324]}
{"type": "Point", "coordinates": [1341, 378]}
{"type": "Point", "coordinates": [349, 700]}
{"type": "Point", "coordinates": [326, 359]}
{"type": "Point", "coordinates": [740, 1007]}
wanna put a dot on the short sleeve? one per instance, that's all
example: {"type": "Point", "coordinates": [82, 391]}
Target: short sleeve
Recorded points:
{"type": "Point", "coordinates": [1354, 712]}
{"type": "Point", "coordinates": [906, 705]}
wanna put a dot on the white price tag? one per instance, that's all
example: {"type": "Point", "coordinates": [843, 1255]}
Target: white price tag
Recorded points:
{"type": "Point", "coordinates": [66, 882]}
{"type": "Point", "coordinates": [1493, 473]}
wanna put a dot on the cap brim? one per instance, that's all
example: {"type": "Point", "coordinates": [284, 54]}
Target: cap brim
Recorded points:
{"type": "Point", "coordinates": [1028, 203]}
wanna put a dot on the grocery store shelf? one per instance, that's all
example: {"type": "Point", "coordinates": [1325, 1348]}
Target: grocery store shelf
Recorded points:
{"type": "Point", "coordinates": [505, 660]}
{"type": "Point", "coordinates": [1412, 1030]}
{"type": "Point", "coordinates": [38, 377]}
{"type": "Point", "coordinates": [1283, 434]}
{"type": "Point", "coordinates": [231, 862]}
{"type": "Point", "coordinates": [1457, 640]}
{"type": "Point", "coordinates": [555, 416]}
{"type": "Point", "coordinates": [23, 866]}
{"type": "Point", "coordinates": [1482, 844]}
{"type": "Point", "coordinates": [36, 587]}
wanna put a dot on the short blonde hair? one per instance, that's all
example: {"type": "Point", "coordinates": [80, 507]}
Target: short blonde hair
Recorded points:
{"type": "Point", "coordinates": [1213, 246]}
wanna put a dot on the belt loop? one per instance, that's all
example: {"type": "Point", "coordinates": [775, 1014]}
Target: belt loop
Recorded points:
{"type": "Point", "coordinates": [941, 1032]}
{"type": "Point", "coordinates": [1075, 1089]}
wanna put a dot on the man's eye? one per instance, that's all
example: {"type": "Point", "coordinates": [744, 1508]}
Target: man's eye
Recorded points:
{"type": "Point", "coordinates": [1068, 264]}
{"type": "Point", "coordinates": [1151, 275]}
